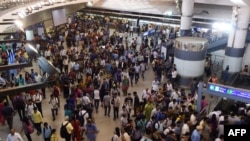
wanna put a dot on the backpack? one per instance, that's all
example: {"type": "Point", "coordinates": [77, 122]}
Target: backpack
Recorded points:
{"type": "Point", "coordinates": [81, 118]}
{"type": "Point", "coordinates": [95, 82]}
{"type": "Point", "coordinates": [63, 130]}
{"type": "Point", "coordinates": [30, 128]}
{"type": "Point", "coordinates": [156, 123]}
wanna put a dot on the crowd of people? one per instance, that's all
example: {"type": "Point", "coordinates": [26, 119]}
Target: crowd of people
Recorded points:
{"type": "Point", "coordinates": [97, 67]}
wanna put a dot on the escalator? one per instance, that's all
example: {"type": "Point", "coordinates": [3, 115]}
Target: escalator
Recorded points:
{"type": "Point", "coordinates": [222, 43]}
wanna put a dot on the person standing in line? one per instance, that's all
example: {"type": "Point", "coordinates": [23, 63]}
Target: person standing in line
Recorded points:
{"type": "Point", "coordinates": [27, 128]}
{"type": "Point", "coordinates": [106, 103]}
{"type": "Point", "coordinates": [37, 98]}
{"type": "Point", "coordinates": [37, 119]}
{"type": "Point", "coordinates": [14, 136]}
{"type": "Point", "coordinates": [8, 113]}
{"type": "Point", "coordinates": [54, 106]}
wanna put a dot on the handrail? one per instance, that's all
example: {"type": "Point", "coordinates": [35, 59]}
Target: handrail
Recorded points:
{"type": "Point", "coordinates": [18, 89]}
{"type": "Point", "coordinates": [15, 66]}
{"type": "Point", "coordinates": [234, 79]}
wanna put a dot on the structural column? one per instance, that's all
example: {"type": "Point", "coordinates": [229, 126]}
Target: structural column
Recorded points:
{"type": "Point", "coordinates": [189, 57]}
{"type": "Point", "coordinates": [186, 17]}
{"type": "Point", "coordinates": [235, 49]}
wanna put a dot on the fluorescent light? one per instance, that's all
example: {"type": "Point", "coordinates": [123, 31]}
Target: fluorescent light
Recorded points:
{"type": "Point", "coordinates": [20, 15]}
{"type": "Point", "coordinates": [222, 26]}
{"type": "Point", "coordinates": [18, 23]}
{"type": "Point", "coordinates": [90, 4]}
{"type": "Point", "coordinates": [169, 13]}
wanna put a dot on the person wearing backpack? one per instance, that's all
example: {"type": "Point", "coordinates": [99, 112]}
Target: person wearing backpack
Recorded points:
{"type": "Point", "coordinates": [27, 128]}
{"type": "Point", "coordinates": [46, 132]}
{"type": "Point", "coordinates": [66, 129]}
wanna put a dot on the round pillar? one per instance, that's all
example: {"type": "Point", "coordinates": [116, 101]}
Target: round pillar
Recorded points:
{"type": "Point", "coordinates": [235, 49]}
{"type": "Point", "coordinates": [189, 57]}
{"type": "Point", "coordinates": [186, 17]}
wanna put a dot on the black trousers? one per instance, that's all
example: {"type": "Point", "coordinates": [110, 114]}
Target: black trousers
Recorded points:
{"type": "Point", "coordinates": [116, 112]}
{"type": "Point", "coordinates": [10, 122]}
{"type": "Point", "coordinates": [54, 113]}
{"type": "Point", "coordinates": [21, 113]}
{"type": "Point", "coordinates": [38, 127]}
{"type": "Point", "coordinates": [39, 107]}
{"type": "Point", "coordinates": [28, 137]}
{"type": "Point", "coordinates": [68, 137]}
{"type": "Point", "coordinates": [107, 110]}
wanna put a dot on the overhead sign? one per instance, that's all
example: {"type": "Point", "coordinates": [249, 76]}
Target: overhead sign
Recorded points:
{"type": "Point", "coordinates": [229, 90]}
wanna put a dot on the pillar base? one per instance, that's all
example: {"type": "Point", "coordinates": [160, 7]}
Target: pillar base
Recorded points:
{"type": "Point", "coordinates": [185, 81]}
{"type": "Point", "coordinates": [187, 32]}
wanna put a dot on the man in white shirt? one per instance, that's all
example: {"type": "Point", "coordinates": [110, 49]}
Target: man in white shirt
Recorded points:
{"type": "Point", "coordinates": [185, 128]}
{"type": "Point", "coordinates": [145, 95]}
{"type": "Point", "coordinates": [83, 114]}
{"type": "Point", "coordinates": [54, 106]}
{"type": "Point", "coordinates": [85, 100]}
{"type": "Point", "coordinates": [155, 111]}
{"type": "Point", "coordinates": [66, 64]}
{"type": "Point", "coordinates": [38, 78]}
{"type": "Point", "coordinates": [14, 136]}
{"type": "Point", "coordinates": [37, 99]}
{"type": "Point", "coordinates": [155, 85]}
{"type": "Point", "coordinates": [96, 99]}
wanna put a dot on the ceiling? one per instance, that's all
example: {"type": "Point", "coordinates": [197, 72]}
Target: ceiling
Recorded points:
{"type": "Point", "coordinates": [220, 10]}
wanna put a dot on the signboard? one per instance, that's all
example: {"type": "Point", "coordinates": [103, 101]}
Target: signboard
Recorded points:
{"type": "Point", "coordinates": [229, 91]}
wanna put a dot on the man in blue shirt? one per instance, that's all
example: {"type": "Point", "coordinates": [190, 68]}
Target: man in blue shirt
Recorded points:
{"type": "Point", "coordinates": [91, 130]}
{"type": "Point", "coordinates": [196, 136]}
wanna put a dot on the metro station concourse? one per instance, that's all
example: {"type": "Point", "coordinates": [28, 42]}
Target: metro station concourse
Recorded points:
{"type": "Point", "coordinates": [227, 45]}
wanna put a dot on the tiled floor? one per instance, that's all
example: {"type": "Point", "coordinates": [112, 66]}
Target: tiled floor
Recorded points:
{"type": "Point", "coordinates": [106, 125]}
